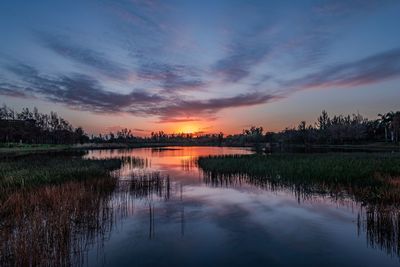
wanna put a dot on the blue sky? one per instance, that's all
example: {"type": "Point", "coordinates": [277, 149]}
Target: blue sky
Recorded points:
{"type": "Point", "coordinates": [199, 65]}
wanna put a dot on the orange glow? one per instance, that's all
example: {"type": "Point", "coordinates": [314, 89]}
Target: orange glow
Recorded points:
{"type": "Point", "coordinates": [188, 128]}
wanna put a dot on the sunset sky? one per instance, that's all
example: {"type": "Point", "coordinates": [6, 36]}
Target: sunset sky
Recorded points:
{"type": "Point", "coordinates": [209, 66]}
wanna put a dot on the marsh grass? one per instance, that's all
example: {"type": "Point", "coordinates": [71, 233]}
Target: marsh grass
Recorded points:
{"type": "Point", "coordinates": [53, 209]}
{"type": "Point", "coordinates": [54, 225]}
{"type": "Point", "coordinates": [52, 206]}
{"type": "Point", "coordinates": [147, 184]}
{"type": "Point", "coordinates": [382, 227]}
{"type": "Point", "coordinates": [32, 171]}
{"type": "Point", "coordinates": [369, 178]}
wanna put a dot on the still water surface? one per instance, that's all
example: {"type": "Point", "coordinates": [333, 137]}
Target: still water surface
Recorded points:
{"type": "Point", "coordinates": [188, 219]}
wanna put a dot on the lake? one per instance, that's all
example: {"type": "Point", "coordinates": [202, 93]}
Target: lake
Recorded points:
{"type": "Point", "coordinates": [234, 223]}
{"type": "Point", "coordinates": [165, 211]}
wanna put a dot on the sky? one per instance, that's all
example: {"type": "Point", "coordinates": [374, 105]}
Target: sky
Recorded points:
{"type": "Point", "coordinates": [199, 66]}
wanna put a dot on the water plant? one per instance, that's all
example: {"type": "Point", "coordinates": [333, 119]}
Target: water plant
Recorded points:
{"type": "Point", "coordinates": [36, 170]}
{"type": "Point", "coordinates": [54, 225]}
{"type": "Point", "coordinates": [367, 177]}
{"type": "Point", "coordinates": [371, 179]}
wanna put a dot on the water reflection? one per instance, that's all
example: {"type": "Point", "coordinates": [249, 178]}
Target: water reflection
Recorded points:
{"type": "Point", "coordinates": [159, 209]}
{"type": "Point", "coordinates": [147, 185]}
{"type": "Point", "coordinates": [380, 222]}
{"type": "Point", "coordinates": [382, 225]}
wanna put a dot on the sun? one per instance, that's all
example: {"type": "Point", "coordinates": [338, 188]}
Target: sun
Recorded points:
{"type": "Point", "coordinates": [187, 128]}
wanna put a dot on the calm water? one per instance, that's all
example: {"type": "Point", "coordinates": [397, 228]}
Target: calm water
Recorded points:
{"type": "Point", "coordinates": [160, 209]}
{"type": "Point", "coordinates": [189, 220]}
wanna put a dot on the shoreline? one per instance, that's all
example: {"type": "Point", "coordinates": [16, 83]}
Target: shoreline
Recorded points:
{"type": "Point", "coordinates": [43, 148]}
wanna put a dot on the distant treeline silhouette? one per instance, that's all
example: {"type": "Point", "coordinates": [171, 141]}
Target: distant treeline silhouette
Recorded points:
{"type": "Point", "coordinates": [34, 127]}
{"type": "Point", "coordinates": [37, 128]}
{"type": "Point", "coordinates": [341, 129]}
{"type": "Point", "coordinates": [336, 130]}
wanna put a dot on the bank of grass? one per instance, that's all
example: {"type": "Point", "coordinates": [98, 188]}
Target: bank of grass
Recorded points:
{"type": "Point", "coordinates": [369, 177]}
{"type": "Point", "coordinates": [53, 225]}
{"type": "Point", "coordinates": [21, 149]}
{"type": "Point", "coordinates": [30, 171]}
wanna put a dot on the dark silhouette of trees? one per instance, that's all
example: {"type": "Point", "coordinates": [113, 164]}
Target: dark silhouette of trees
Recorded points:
{"type": "Point", "coordinates": [37, 128]}
{"type": "Point", "coordinates": [33, 127]}
{"type": "Point", "coordinates": [390, 122]}
{"type": "Point", "coordinates": [336, 130]}
{"type": "Point", "coordinates": [340, 129]}
{"type": "Point", "coordinates": [395, 127]}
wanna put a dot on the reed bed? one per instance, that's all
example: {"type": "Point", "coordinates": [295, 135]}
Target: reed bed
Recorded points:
{"type": "Point", "coordinates": [382, 226]}
{"type": "Point", "coordinates": [370, 179]}
{"type": "Point", "coordinates": [54, 208]}
{"type": "Point", "coordinates": [367, 177]}
{"type": "Point", "coordinates": [54, 225]}
{"type": "Point", "coordinates": [147, 184]}
{"type": "Point", "coordinates": [33, 171]}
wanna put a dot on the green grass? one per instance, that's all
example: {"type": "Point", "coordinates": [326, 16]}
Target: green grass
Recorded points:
{"type": "Point", "coordinates": [30, 171]}
{"type": "Point", "coordinates": [368, 177]}
{"type": "Point", "coordinates": [21, 149]}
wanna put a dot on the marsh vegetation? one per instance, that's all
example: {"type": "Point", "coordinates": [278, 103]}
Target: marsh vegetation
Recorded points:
{"type": "Point", "coordinates": [372, 178]}
{"type": "Point", "coordinates": [19, 172]}
{"type": "Point", "coordinates": [54, 208]}
{"type": "Point", "coordinates": [64, 208]}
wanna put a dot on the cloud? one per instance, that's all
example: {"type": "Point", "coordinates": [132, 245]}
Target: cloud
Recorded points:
{"type": "Point", "coordinates": [372, 69]}
{"type": "Point", "coordinates": [344, 7]}
{"type": "Point", "coordinates": [85, 56]}
{"type": "Point", "coordinates": [85, 93]}
{"type": "Point", "coordinates": [172, 78]}
{"type": "Point", "coordinates": [195, 109]}
{"type": "Point", "coordinates": [171, 119]}
{"type": "Point", "coordinates": [246, 51]}
{"type": "Point", "coordinates": [142, 14]}
{"type": "Point", "coordinates": [82, 92]}
{"type": "Point", "coordinates": [8, 89]}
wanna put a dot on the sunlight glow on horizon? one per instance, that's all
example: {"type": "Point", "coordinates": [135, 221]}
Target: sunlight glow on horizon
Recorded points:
{"type": "Point", "coordinates": [194, 67]}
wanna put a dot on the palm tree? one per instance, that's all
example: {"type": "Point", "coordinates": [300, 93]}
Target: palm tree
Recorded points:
{"type": "Point", "coordinates": [385, 121]}
{"type": "Point", "coordinates": [395, 126]}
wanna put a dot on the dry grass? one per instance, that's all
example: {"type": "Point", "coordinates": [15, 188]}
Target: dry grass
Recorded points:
{"type": "Point", "coordinates": [54, 225]}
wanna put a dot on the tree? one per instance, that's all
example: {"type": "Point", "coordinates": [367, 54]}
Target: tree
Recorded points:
{"type": "Point", "coordinates": [395, 126]}
{"type": "Point", "coordinates": [323, 121]}
{"type": "Point", "coordinates": [384, 121]}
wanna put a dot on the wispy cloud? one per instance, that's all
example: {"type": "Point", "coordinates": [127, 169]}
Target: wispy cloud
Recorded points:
{"type": "Point", "coordinates": [198, 109]}
{"type": "Point", "coordinates": [12, 90]}
{"type": "Point", "coordinates": [187, 62]}
{"type": "Point", "coordinates": [372, 69]}
{"type": "Point", "coordinates": [140, 13]}
{"type": "Point", "coordinates": [86, 56]}
{"type": "Point", "coordinates": [172, 78]}
{"type": "Point", "coordinates": [82, 92]}
{"type": "Point", "coordinates": [244, 52]}
{"type": "Point", "coordinates": [85, 93]}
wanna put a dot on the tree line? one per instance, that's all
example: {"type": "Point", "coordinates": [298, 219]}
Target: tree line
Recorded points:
{"type": "Point", "coordinates": [336, 130]}
{"type": "Point", "coordinates": [160, 137]}
{"type": "Point", "coordinates": [340, 129]}
{"type": "Point", "coordinates": [34, 127]}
